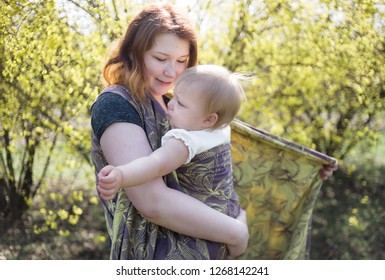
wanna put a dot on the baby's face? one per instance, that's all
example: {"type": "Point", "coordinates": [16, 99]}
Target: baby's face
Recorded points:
{"type": "Point", "coordinates": [186, 110]}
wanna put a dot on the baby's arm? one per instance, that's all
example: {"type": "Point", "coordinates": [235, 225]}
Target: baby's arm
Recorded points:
{"type": "Point", "coordinates": [159, 163]}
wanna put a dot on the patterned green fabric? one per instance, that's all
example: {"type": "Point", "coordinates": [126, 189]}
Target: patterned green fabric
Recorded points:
{"type": "Point", "coordinates": [277, 182]}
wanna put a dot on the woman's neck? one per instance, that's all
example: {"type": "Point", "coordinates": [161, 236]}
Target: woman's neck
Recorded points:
{"type": "Point", "coordinates": [160, 100]}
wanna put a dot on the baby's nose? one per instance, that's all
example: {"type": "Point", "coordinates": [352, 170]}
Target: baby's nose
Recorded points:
{"type": "Point", "coordinates": [170, 104]}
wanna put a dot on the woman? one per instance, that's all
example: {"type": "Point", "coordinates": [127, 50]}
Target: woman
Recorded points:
{"type": "Point", "coordinates": [153, 221]}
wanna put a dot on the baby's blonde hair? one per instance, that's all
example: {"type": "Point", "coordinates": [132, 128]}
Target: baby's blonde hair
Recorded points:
{"type": "Point", "coordinates": [221, 90]}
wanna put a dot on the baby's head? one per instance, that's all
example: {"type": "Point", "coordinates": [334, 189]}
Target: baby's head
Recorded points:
{"type": "Point", "coordinates": [220, 91]}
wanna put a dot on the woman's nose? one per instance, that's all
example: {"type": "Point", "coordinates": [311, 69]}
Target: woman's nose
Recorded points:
{"type": "Point", "coordinates": [170, 71]}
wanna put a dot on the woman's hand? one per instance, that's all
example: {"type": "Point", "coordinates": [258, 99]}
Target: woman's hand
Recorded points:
{"type": "Point", "coordinates": [327, 171]}
{"type": "Point", "coordinates": [239, 246]}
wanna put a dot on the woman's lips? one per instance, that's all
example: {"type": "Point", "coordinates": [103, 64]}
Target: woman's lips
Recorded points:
{"type": "Point", "coordinates": [164, 83]}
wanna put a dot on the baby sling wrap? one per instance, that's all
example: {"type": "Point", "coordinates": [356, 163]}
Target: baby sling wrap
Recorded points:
{"type": "Point", "coordinates": [277, 182]}
{"type": "Point", "coordinates": [133, 237]}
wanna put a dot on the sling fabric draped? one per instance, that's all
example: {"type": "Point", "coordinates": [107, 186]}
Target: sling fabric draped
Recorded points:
{"type": "Point", "coordinates": [277, 182]}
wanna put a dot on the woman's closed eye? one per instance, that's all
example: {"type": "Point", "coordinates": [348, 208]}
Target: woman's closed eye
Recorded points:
{"type": "Point", "coordinates": [183, 61]}
{"type": "Point", "coordinates": [160, 59]}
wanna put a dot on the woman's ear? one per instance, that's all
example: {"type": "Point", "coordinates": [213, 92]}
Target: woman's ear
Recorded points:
{"type": "Point", "coordinates": [211, 120]}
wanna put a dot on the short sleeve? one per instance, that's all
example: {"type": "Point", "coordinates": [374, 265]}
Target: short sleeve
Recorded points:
{"type": "Point", "coordinates": [186, 137]}
{"type": "Point", "coordinates": [199, 141]}
{"type": "Point", "coordinates": [110, 108]}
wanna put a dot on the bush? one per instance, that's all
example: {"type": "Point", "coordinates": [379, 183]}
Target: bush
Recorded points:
{"type": "Point", "coordinates": [51, 234]}
{"type": "Point", "coordinates": [349, 218]}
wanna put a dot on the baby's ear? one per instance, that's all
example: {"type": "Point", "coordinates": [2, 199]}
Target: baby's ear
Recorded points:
{"type": "Point", "coordinates": [211, 120]}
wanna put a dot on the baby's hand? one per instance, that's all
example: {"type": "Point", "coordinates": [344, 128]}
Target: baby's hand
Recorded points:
{"type": "Point", "coordinates": [109, 182]}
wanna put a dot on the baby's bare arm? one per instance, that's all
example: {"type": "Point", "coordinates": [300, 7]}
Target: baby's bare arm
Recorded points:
{"type": "Point", "coordinates": [161, 162]}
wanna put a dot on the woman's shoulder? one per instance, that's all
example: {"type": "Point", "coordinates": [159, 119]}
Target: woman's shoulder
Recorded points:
{"type": "Point", "coordinates": [118, 90]}
{"type": "Point", "coordinates": [109, 108]}
{"type": "Point", "coordinates": [109, 101]}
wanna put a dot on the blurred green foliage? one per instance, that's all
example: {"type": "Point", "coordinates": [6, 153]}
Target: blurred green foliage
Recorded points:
{"type": "Point", "coordinates": [349, 219]}
{"type": "Point", "coordinates": [317, 72]}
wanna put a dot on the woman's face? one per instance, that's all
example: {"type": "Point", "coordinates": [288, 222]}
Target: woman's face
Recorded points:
{"type": "Point", "coordinates": [164, 62]}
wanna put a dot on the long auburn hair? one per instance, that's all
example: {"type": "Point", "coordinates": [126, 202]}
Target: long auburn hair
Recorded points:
{"type": "Point", "coordinates": [125, 65]}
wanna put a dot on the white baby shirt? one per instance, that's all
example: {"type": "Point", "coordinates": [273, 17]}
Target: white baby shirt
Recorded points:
{"type": "Point", "coordinates": [198, 141]}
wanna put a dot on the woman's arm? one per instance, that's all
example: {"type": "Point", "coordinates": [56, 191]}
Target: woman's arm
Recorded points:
{"type": "Point", "coordinates": [124, 142]}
